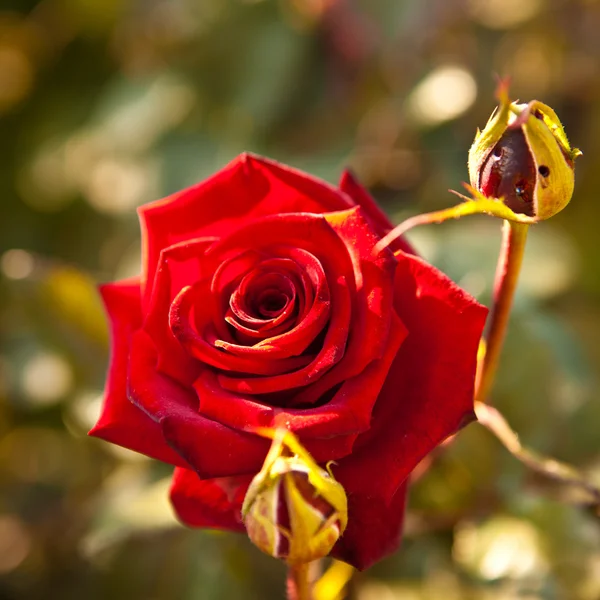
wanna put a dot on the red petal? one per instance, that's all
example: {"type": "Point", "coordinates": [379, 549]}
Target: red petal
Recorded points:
{"type": "Point", "coordinates": [311, 294]}
{"type": "Point", "coordinates": [249, 187]}
{"type": "Point", "coordinates": [214, 503]}
{"type": "Point", "coordinates": [194, 436]}
{"type": "Point", "coordinates": [374, 528]}
{"type": "Point", "coordinates": [334, 345]}
{"type": "Point", "coordinates": [428, 394]}
{"type": "Point", "coordinates": [372, 303]}
{"type": "Point", "coordinates": [178, 266]}
{"type": "Point", "coordinates": [212, 449]}
{"type": "Point", "coordinates": [313, 315]}
{"type": "Point", "coordinates": [203, 345]}
{"type": "Point", "coordinates": [313, 234]}
{"type": "Point", "coordinates": [267, 280]}
{"type": "Point", "coordinates": [226, 276]}
{"type": "Point", "coordinates": [348, 412]}
{"type": "Point", "coordinates": [379, 220]}
{"type": "Point", "coordinates": [121, 422]}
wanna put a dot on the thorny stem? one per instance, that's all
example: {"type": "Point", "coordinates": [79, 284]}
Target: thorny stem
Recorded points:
{"type": "Point", "coordinates": [299, 583]}
{"type": "Point", "coordinates": [507, 274]}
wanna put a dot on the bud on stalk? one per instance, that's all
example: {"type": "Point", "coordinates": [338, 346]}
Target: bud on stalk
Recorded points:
{"type": "Point", "coordinates": [294, 509]}
{"type": "Point", "coordinates": [523, 156]}
{"type": "Point", "coordinates": [521, 168]}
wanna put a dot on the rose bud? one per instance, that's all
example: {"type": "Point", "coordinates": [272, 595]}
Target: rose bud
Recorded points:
{"type": "Point", "coordinates": [294, 509]}
{"type": "Point", "coordinates": [523, 156]}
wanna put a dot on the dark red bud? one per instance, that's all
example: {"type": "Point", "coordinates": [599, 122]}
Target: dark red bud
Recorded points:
{"type": "Point", "coordinates": [509, 172]}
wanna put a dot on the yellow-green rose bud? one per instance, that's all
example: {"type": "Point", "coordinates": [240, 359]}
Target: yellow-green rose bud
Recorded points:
{"type": "Point", "coordinates": [294, 509]}
{"type": "Point", "coordinates": [523, 156]}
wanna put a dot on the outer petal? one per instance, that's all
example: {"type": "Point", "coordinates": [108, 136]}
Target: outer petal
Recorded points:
{"type": "Point", "coordinates": [211, 448]}
{"type": "Point", "coordinates": [215, 503]}
{"type": "Point", "coordinates": [379, 220]}
{"type": "Point", "coordinates": [174, 409]}
{"type": "Point", "coordinates": [374, 528]}
{"type": "Point", "coordinates": [249, 187]}
{"type": "Point", "coordinates": [178, 266]}
{"type": "Point", "coordinates": [428, 394]}
{"type": "Point", "coordinates": [121, 422]}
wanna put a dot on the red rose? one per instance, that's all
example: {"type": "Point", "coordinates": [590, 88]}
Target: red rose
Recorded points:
{"type": "Point", "coordinates": [261, 303]}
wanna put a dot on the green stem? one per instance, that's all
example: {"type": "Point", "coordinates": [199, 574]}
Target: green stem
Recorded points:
{"type": "Point", "coordinates": [507, 274]}
{"type": "Point", "coordinates": [298, 582]}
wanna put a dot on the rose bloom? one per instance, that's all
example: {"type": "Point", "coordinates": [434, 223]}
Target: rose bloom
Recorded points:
{"type": "Point", "coordinates": [262, 303]}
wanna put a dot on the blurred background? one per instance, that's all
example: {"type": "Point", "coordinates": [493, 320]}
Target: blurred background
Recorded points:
{"type": "Point", "coordinates": [107, 104]}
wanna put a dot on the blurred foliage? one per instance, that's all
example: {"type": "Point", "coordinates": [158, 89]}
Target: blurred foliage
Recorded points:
{"type": "Point", "coordinates": [106, 104]}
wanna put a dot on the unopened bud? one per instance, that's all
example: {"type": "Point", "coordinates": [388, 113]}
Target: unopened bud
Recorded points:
{"type": "Point", "coordinates": [523, 156]}
{"type": "Point", "coordinates": [294, 509]}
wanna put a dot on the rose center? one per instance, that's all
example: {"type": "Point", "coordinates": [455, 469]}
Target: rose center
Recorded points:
{"type": "Point", "coordinates": [264, 296]}
{"type": "Point", "coordinates": [271, 302]}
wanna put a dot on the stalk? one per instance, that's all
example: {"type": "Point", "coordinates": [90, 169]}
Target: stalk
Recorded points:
{"type": "Point", "coordinates": [505, 284]}
{"type": "Point", "coordinates": [299, 583]}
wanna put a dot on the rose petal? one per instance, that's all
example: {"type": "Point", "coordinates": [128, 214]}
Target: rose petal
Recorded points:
{"type": "Point", "coordinates": [311, 319]}
{"type": "Point", "coordinates": [258, 288]}
{"type": "Point", "coordinates": [348, 412]}
{"type": "Point", "coordinates": [313, 234]}
{"type": "Point", "coordinates": [175, 409]}
{"type": "Point", "coordinates": [194, 436]}
{"type": "Point", "coordinates": [226, 276]}
{"type": "Point", "coordinates": [214, 503]}
{"type": "Point", "coordinates": [286, 276]}
{"type": "Point", "coordinates": [178, 265]}
{"type": "Point", "coordinates": [203, 345]}
{"type": "Point", "coordinates": [374, 528]}
{"type": "Point", "coordinates": [428, 393]}
{"type": "Point", "coordinates": [121, 422]}
{"type": "Point", "coordinates": [378, 219]}
{"type": "Point", "coordinates": [249, 187]}
{"type": "Point", "coordinates": [332, 351]}
{"type": "Point", "coordinates": [372, 305]}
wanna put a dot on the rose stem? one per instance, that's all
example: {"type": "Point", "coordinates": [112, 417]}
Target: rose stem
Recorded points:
{"type": "Point", "coordinates": [298, 582]}
{"type": "Point", "coordinates": [507, 274]}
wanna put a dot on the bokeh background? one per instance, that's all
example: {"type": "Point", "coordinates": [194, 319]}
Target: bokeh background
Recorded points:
{"type": "Point", "coordinates": [107, 104]}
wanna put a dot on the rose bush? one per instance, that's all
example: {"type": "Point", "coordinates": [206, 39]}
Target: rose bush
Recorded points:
{"type": "Point", "coordinates": [262, 303]}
